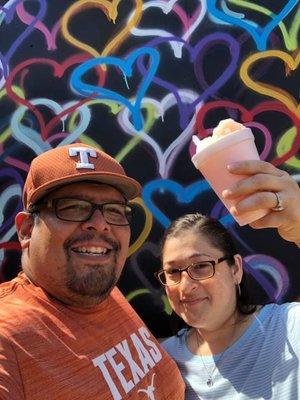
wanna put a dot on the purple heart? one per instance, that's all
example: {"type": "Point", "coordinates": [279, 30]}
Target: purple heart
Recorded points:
{"type": "Point", "coordinates": [9, 13]}
{"type": "Point", "coordinates": [11, 174]}
{"type": "Point", "coordinates": [186, 110]}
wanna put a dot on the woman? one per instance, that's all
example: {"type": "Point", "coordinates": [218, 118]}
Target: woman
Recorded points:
{"type": "Point", "coordinates": [231, 349]}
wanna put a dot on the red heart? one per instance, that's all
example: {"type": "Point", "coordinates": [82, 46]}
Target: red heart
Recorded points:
{"type": "Point", "coordinates": [248, 116]}
{"type": "Point", "coordinates": [58, 70]}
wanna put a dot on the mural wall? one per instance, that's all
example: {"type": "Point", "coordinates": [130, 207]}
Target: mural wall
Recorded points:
{"type": "Point", "coordinates": [138, 79]}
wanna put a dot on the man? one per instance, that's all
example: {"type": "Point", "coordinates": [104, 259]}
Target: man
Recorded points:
{"type": "Point", "coordinates": [66, 331]}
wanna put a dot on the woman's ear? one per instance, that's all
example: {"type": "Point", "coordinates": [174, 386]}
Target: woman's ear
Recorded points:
{"type": "Point", "coordinates": [237, 269]}
{"type": "Point", "coordinates": [24, 223]}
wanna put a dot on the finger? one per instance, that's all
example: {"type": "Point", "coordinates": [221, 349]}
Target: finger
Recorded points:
{"type": "Point", "coordinates": [275, 220]}
{"type": "Point", "coordinates": [255, 183]}
{"type": "Point", "coordinates": [251, 167]}
{"type": "Point", "coordinates": [270, 220]}
{"type": "Point", "coordinates": [259, 200]}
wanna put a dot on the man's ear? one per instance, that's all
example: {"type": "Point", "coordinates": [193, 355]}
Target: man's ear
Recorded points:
{"type": "Point", "coordinates": [24, 224]}
{"type": "Point", "coordinates": [237, 268]}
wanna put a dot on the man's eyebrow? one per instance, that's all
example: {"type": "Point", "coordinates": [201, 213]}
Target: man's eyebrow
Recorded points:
{"type": "Point", "coordinates": [88, 198]}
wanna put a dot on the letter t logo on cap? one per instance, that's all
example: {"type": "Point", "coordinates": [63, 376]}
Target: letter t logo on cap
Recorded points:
{"type": "Point", "coordinates": [84, 154]}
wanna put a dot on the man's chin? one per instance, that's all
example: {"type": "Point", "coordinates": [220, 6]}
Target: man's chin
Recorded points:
{"type": "Point", "coordinates": [94, 284]}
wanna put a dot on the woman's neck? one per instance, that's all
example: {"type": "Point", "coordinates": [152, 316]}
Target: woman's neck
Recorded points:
{"type": "Point", "coordinates": [205, 342]}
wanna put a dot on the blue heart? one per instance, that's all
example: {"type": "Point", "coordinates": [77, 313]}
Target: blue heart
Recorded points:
{"type": "Point", "coordinates": [126, 66]}
{"type": "Point", "coordinates": [183, 194]}
{"type": "Point", "coordinates": [259, 34]}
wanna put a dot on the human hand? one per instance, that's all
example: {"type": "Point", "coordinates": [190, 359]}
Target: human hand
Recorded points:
{"type": "Point", "coordinates": [258, 191]}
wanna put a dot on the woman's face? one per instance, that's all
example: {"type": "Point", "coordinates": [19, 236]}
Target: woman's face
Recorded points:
{"type": "Point", "coordinates": [207, 304]}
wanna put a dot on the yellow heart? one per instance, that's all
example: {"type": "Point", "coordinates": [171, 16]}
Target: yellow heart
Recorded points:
{"type": "Point", "coordinates": [111, 13]}
{"type": "Point", "coordinates": [147, 227]}
{"type": "Point", "coordinates": [267, 89]}
{"type": "Point", "coordinates": [285, 144]}
{"type": "Point", "coordinates": [7, 132]}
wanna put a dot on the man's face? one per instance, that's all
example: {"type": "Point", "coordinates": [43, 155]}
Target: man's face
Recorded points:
{"type": "Point", "coordinates": [77, 262]}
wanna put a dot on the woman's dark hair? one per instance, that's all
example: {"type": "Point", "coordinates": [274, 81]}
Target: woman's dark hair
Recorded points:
{"type": "Point", "coordinates": [220, 238]}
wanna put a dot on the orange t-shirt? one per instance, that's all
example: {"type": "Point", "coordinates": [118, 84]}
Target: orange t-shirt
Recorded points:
{"type": "Point", "coordinates": [49, 351]}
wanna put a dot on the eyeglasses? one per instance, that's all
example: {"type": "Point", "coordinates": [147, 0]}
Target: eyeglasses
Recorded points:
{"type": "Point", "coordinates": [78, 210]}
{"type": "Point", "coordinates": [198, 271]}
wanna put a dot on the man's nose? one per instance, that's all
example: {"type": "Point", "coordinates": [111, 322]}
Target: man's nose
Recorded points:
{"type": "Point", "coordinates": [96, 221]}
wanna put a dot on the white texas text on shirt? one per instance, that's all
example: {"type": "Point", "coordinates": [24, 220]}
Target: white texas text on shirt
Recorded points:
{"type": "Point", "coordinates": [148, 355]}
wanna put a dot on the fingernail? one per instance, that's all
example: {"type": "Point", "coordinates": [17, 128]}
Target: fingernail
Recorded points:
{"type": "Point", "coordinates": [231, 166]}
{"type": "Point", "coordinates": [226, 193]}
{"type": "Point", "coordinates": [233, 211]}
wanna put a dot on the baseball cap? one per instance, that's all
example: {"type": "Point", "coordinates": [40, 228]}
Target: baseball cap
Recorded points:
{"type": "Point", "coordinates": [74, 163]}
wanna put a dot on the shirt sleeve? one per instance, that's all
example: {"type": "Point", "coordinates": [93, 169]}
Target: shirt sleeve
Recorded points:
{"type": "Point", "coordinates": [11, 386]}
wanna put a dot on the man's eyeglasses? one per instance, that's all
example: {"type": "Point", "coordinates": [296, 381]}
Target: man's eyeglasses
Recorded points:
{"type": "Point", "coordinates": [78, 210]}
{"type": "Point", "coordinates": [198, 271]}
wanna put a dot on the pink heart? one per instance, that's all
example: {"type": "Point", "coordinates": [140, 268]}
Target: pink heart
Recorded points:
{"type": "Point", "coordinates": [50, 36]}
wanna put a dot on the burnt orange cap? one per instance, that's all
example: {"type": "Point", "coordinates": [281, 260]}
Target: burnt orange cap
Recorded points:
{"type": "Point", "coordinates": [73, 163]}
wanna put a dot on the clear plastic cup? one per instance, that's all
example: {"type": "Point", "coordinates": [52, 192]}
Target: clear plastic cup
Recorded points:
{"type": "Point", "coordinates": [212, 162]}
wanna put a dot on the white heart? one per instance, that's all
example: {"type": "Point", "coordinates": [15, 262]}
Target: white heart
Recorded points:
{"type": "Point", "coordinates": [165, 159]}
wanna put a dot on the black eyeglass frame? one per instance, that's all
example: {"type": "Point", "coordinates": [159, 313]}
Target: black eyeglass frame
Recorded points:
{"type": "Point", "coordinates": [52, 204]}
{"type": "Point", "coordinates": [213, 263]}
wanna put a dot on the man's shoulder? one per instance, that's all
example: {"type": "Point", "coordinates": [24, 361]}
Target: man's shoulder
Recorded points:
{"type": "Point", "coordinates": [14, 302]}
{"type": "Point", "coordinates": [9, 289]}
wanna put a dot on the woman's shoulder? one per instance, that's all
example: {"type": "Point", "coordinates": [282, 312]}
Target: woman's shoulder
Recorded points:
{"type": "Point", "coordinates": [289, 313]}
{"type": "Point", "coordinates": [172, 343]}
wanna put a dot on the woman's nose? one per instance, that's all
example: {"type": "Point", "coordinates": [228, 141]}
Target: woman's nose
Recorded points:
{"type": "Point", "coordinates": [186, 282]}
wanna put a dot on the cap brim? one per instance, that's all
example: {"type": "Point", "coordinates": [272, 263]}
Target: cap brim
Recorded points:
{"type": "Point", "coordinates": [129, 187]}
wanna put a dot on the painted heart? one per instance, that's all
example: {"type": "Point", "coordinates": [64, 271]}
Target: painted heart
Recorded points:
{"type": "Point", "coordinates": [6, 157]}
{"type": "Point", "coordinates": [50, 35]}
{"type": "Point", "coordinates": [58, 71]}
{"type": "Point", "coordinates": [7, 228]}
{"type": "Point", "coordinates": [184, 195]}
{"type": "Point", "coordinates": [262, 266]}
{"type": "Point", "coordinates": [32, 139]}
{"type": "Point", "coordinates": [150, 115]}
{"type": "Point", "coordinates": [142, 275]}
{"type": "Point", "coordinates": [8, 16]}
{"type": "Point", "coordinates": [190, 24]}
{"type": "Point", "coordinates": [196, 55]}
{"type": "Point", "coordinates": [290, 35]}
{"type": "Point", "coordinates": [111, 11]}
{"type": "Point", "coordinates": [126, 66]}
{"type": "Point", "coordinates": [5, 131]}
{"type": "Point", "coordinates": [285, 144]}
{"type": "Point", "coordinates": [265, 88]}
{"type": "Point", "coordinates": [248, 116]}
{"type": "Point", "coordinates": [165, 158]}
{"type": "Point", "coordinates": [146, 229]}
{"type": "Point", "coordinates": [259, 34]}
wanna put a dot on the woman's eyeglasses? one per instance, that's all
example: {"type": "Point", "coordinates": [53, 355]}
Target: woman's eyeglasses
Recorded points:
{"type": "Point", "coordinates": [198, 271]}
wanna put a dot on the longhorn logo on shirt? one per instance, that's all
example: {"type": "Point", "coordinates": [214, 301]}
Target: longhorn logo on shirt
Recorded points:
{"type": "Point", "coordinates": [150, 390]}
